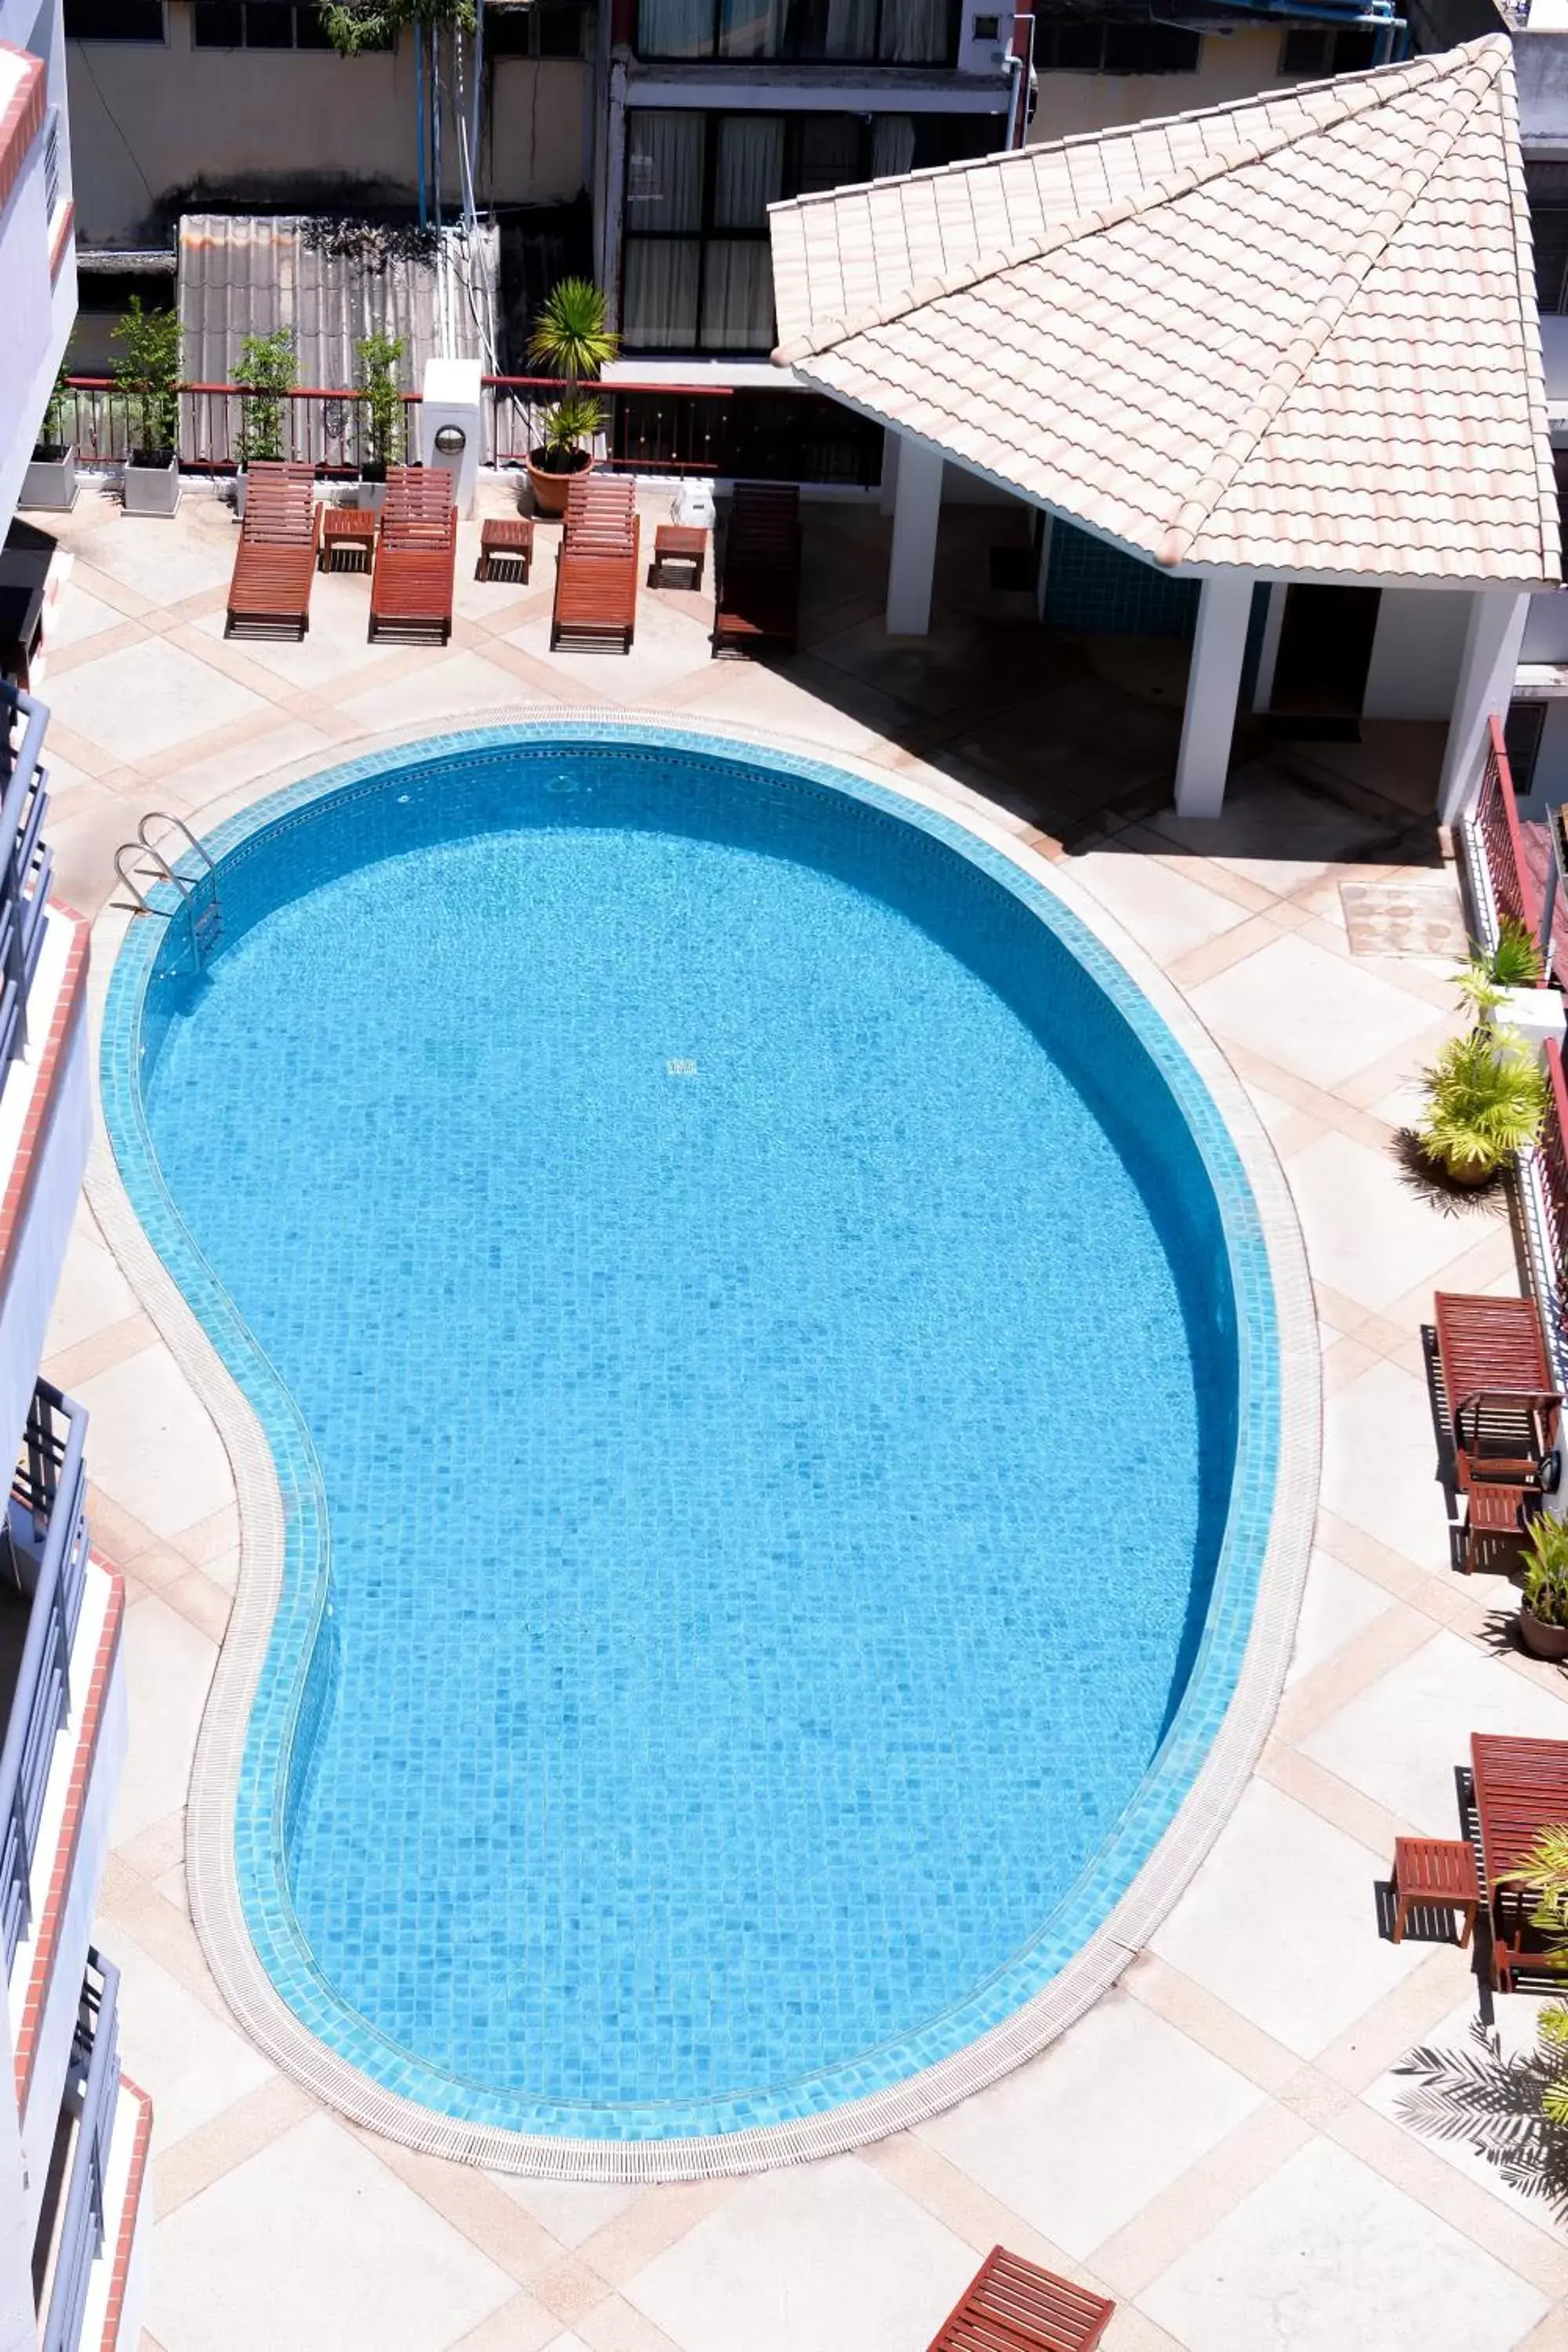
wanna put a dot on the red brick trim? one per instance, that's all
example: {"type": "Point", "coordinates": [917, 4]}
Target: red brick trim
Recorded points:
{"type": "Point", "coordinates": [21, 120]}
{"type": "Point", "coordinates": [65, 221]}
{"type": "Point", "coordinates": [46, 1941]}
{"type": "Point", "coordinates": [124, 2245]}
{"type": "Point", "coordinates": [69, 1007]}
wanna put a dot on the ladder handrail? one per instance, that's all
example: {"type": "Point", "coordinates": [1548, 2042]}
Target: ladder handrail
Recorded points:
{"type": "Point", "coordinates": [205, 921]}
{"type": "Point", "coordinates": [162, 817]}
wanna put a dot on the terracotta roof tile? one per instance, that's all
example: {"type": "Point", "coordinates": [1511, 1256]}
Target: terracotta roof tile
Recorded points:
{"type": "Point", "coordinates": [1296, 334]}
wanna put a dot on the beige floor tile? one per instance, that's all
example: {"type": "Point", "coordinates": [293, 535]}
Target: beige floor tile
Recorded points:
{"type": "Point", "coordinates": [140, 702]}
{"type": "Point", "coordinates": [1478, 2080]}
{"type": "Point", "coordinates": [1281, 1923]}
{"type": "Point", "coordinates": [1016, 2139]}
{"type": "Point", "coordinates": [1379, 1463]}
{"type": "Point", "coordinates": [1325, 2255]}
{"type": "Point", "coordinates": [152, 1449]}
{"type": "Point", "coordinates": [1355, 1017]}
{"type": "Point", "coordinates": [809, 2261]}
{"type": "Point", "coordinates": [1336, 1606]}
{"type": "Point", "coordinates": [313, 2246]}
{"type": "Point", "coordinates": [1166, 912]}
{"type": "Point", "coordinates": [93, 1293]}
{"type": "Point", "coordinates": [572, 2210]}
{"type": "Point", "coordinates": [168, 1666]}
{"type": "Point", "coordinates": [465, 687]}
{"type": "Point", "coordinates": [1400, 1739]}
{"type": "Point", "coordinates": [172, 2045]}
{"type": "Point", "coordinates": [1368, 1237]}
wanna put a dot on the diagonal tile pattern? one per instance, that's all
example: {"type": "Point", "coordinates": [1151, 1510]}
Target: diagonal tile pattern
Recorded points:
{"type": "Point", "coordinates": [1218, 2144]}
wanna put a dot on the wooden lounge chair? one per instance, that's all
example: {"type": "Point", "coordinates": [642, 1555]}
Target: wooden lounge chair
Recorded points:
{"type": "Point", "coordinates": [275, 562]}
{"type": "Point", "coordinates": [412, 587]}
{"type": "Point", "coordinates": [1503, 1414]}
{"type": "Point", "coordinates": [759, 572]}
{"type": "Point", "coordinates": [1012, 2306]}
{"type": "Point", "coordinates": [1521, 1789]}
{"type": "Point", "coordinates": [597, 571]}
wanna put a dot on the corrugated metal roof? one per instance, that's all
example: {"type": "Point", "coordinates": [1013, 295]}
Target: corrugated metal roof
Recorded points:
{"type": "Point", "coordinates": [331, 283]}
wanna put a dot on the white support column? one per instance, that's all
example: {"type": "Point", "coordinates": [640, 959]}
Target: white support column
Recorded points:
{"type": "Point", "coordinates": [1213, 682]}
{"type": "Point", "coordinates": [917, 507]}
{"type": "Point", "coordinates": [886, 496]}
{"type": "Point", "coordinates": [1485, 687]}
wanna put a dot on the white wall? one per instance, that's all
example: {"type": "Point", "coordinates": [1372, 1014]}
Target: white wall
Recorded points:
{"type": "Point", "coordinates": [35, 316]}
{"type": "Point", "coordinates": [1415, 654]}
{"type": "Point", "coordinates": [1546, 630]}
{"type": "Point", "coordinates": [38, 1250]}
{"type": "Point", "coordinates": [1231, 65]}
{"type": "Point", "coordinates": [270, 126]}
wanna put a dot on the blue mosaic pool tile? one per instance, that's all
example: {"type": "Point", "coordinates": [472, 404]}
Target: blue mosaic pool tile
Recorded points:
{"type": "Point", "coordinates": [419, 2041]}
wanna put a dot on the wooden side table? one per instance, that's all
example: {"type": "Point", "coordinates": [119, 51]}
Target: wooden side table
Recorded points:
{"type": "Point", "coordinates": [506, 539]}
{"type": "Point", "coordinates": [1438, 1873]}
{"type": "Point", "coordinates": [681, 543]}
{"type": "Point", "coordinates": [347, 529]}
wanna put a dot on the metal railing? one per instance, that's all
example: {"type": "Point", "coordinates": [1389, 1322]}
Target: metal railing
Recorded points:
{"type": "Point", "coordinates": [1515, 893]}
{"type": "Point", "coordinates": [24, 862]}
{"type": "Point", "coordinates": [43, 1562]}
{"type": "Point", "coordinates": [92, 2086]}
{"type": "Point", "coordinates": [317, 425]}
{"type": "Point", "coordinates": [51, 162]}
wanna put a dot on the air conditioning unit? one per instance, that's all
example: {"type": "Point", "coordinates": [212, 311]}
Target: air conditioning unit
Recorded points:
{"type": "Point", "coordinates": [984, 40]}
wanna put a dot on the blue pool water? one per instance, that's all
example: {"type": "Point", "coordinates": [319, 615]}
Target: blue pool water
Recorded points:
{"type": "Point", "coordinates": [751, 1344]}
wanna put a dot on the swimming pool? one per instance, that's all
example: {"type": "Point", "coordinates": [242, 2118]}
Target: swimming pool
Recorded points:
{"type": "Point", "coordinates": [748, 1307]}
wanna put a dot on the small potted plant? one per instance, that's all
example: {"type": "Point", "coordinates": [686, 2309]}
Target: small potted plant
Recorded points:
{"type": "Point", "coordinates": [1486, 1098]}
{"type": "Point", "coordinates": [50, 478]}
{"type": "Point", "coordinates": [1490, 974]}
{"type": "Point", "coordinates": [1543, 1610]}
{"type": "Point", "coordinates": [148, 375]}
{"type": "Point", "coordinates": [570, 338]}
{"type": "Point", "coordinates": [265, 376]}
{"type": "Point", "coordinates": [378, 357]}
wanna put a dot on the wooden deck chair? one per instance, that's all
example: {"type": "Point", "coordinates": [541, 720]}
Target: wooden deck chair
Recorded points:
{"type": "Point", "coordinates": [596, 570]}
{"type": "Point", "coordinates": [1503, 1415]}
{"type": "Point", "coordinates": [759, 572]}
{"type": "Point", "coordinates": [275, 562]}
{"type": "Point", "coordinates": [413, 581]}
{"type": "Point", "coordinates": [1012, 2306]}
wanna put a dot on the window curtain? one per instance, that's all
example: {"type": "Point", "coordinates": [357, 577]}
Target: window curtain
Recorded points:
{"type": "Point", "coordinates": [658, 299]}
{"type": "Point", "coordinates": [664, 171]}
{"type": "Point", "coordinates": [916, 32]}
{"type": "Point", "coordinates": [830, 153]}
{"type": "Point", "coordinates": [674, 28]}
{"type": "Point", "coordinates": [751, 28]}
{"type": "Point", "coordinates": [738, 296]}
{"type": "Point", "coordinates": [750, 171]}
{"type": "Point", "coordinates": [892, 145]}
{"type": "Point", "coordinates": [851, 28]}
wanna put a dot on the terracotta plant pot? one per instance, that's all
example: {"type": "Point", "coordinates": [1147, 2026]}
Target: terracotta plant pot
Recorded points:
{"type": "Point", "coordinates": [1542, 1641]}
{"type": "Point", "coordinates": [550, 489]}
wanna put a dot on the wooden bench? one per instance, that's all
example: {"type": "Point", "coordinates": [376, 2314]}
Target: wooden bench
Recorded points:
{"type": "Point", "coordinates": [1012, 2306]}
{"type": "Point", "coordinates": [1503, 1415]}
{"type": "Point", "coordinates": [506, 543]}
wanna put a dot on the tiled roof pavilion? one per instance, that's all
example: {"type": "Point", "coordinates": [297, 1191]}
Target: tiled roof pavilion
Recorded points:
{"type": "Point", "coordinates": [1295, 337]}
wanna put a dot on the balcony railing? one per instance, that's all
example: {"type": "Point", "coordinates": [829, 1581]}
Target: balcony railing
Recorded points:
{"type": "Point", "coordinates": [67, 2252]}
{"type": "Point", "coordinates": [318, 426]}
{"type": "Point", "coordinates": [1511, 885]}
{"type": "Point", "coordinates": [24, 863]}
{"type": "Point", "coordinates": [43, 1569]}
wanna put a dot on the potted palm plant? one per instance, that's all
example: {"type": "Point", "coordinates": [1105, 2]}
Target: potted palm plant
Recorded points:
{"type": "Point", "coordinates": [1486, 1098]}
{"type": "Point", "coordinates": [1490, 974]}
{"type": "Point", "coordinates": [265, 377]}
{"type": "Point", "coordinates": [149, 374]}
{"type": "Point", "coordinates": [50, 478]}
{"type": "Point", "coordinates": [377, 357]}
{"type": "Point", "coordinates": [570, 338]}
{"type": "Point", "coordinates": [1543, 1610]}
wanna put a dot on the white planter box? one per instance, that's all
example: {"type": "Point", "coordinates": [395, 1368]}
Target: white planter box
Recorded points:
{"type": "Point", "coordinates": [153, 489]}
{"type": "Point", "coordinates": [50, 483]}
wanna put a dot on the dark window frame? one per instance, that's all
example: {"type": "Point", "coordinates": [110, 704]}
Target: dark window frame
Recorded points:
{"type": "Point", "coordinates": [227, 25]}
{"type": "Point", "coordinates": [1125, 50]}
{"type": "Point", "coordinates": [1331, 49]}
{"type": "Point", "coordinates": [519, 32]}
{"type": "Point", "coordinates": [103, 14]}
{"type": "Point", "coordinates": [798, 49]}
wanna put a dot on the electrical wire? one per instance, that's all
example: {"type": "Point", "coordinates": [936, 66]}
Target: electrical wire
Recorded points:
{"type": "Point", "coordinates": [82, 58]}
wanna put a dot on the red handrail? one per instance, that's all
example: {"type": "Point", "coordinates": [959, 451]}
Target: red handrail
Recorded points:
{"type": "Point", "coordinates": [1513, 886]}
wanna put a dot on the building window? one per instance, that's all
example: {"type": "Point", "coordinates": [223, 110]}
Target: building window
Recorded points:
{"type": "Point", "coordinates": [696, 272]}
{"type": "Point", "coordinates": [548, 28]}
{"type": "Point", "coordinates": [263, 25]}
{"type": "Point", "coordinates": [1546, 186]}
{"type": "Point", "coordinates": [114, 20]}
{"type": "Point", "coordinates": [1065, 46]}
{"type": "Point", "coordinates": [1313, 52]}
{"type": "Point", "coordinates": [855, 32]}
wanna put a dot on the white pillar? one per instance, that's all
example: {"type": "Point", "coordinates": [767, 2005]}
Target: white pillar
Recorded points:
{"type": "Point", "coordinates": [917, 507]}
{"type": "Point", "coordinates": [450, 412]}
{"type": "Point", "coordinates": [1485, 687]}
{"type": "Point", "coordinates": [1213, 682]}
{"type": "Point", "coordinates": [887, 495]}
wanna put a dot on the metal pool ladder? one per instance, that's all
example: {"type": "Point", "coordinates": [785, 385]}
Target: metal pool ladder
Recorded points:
{"type": "Point", "coordinates": [199, 899]}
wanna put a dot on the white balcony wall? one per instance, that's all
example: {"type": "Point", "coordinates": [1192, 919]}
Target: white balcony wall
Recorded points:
{"type": "Point", "coordinates": [37, 1252]}
{"type": "Point", "coordinates": [18, 2325]}
{"type": "Point", "coordinates": [37, 314]}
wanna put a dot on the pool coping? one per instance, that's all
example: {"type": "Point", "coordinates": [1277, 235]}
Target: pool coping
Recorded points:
{"type": "Point", "coordinates": [216, 1901]}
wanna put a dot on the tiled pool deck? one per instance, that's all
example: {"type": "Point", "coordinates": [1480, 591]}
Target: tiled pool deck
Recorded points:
{"type": "Point", "coordinates": [1218, 2143]}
